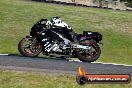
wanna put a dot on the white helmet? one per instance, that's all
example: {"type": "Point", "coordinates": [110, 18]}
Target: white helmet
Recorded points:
{"type": "Point", "coordinates": [55, 20]}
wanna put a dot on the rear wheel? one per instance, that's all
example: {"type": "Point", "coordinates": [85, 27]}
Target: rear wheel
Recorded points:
{"type": "Point", "coordinates": [29, 47]}
{"type": "Point", "coordinates": [90, 55]}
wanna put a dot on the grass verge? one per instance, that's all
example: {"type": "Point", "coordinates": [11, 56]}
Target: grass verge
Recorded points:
{"type": "Point", "coordinates": [20, 79]}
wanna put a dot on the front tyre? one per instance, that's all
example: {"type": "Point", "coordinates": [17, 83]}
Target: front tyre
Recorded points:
{"type": "Point", "coordinates": [90, 56]}
{"type": "Point", "coordinates": [29, 47]}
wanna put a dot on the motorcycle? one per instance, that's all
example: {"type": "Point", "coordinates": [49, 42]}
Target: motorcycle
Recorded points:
{"type": "Point", "coordinates": [53, 42]}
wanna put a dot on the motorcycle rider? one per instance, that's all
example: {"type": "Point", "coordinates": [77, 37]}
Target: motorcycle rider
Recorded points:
{"type": "Point", "coordinates": [57, 23]}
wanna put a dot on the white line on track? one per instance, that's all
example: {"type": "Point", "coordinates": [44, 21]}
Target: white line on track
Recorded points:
{"type": "Point", "coordinates": [103, 63]}
{"type": "Point", "coordinates": [112, 63]}
{"type": "Point", "coordinates": [4, 54]}
{"type": "Point", "coordinates": [76, 60]}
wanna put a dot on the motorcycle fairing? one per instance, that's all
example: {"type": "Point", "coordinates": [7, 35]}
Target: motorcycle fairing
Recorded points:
{"type": "Point", "coordinates": [90, 35]}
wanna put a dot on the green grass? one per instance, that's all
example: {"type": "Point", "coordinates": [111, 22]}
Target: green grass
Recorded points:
{"type": "Point", "coordinates": [20, 79]}
{"type": "Point", "coordinates": [18, 16]}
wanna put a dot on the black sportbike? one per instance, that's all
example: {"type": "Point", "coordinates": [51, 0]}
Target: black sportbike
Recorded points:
{"type": "Point", "coordinates": [53, 42]}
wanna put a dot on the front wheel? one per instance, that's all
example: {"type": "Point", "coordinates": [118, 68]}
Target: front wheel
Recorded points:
{"type": "Point", "coordinates": [29, 47]}
{"type": "Point", "coordinates": [89, 55]}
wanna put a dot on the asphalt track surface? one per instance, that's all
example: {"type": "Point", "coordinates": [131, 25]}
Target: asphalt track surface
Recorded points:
{"type": "Point", "coordinates": [59, 65]}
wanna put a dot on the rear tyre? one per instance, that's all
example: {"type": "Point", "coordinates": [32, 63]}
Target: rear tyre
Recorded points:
{"type": "Point", "coordinates": [29, 47]}
{"type": "Point", "coordinates": [90, 56]}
